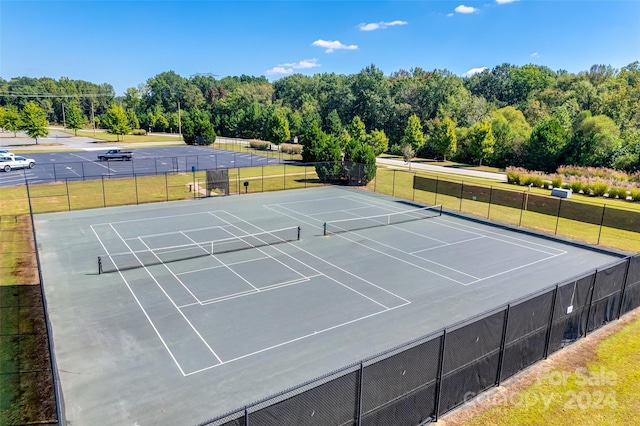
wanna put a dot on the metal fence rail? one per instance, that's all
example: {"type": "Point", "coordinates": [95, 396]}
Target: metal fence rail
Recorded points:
{"type": "Point", "coordinates": [424, 379]}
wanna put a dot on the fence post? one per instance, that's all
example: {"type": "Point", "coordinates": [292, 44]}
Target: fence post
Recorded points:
{"type": "Point", "coordinates": [522, 207]}
{"type": "Point", "coordinates": [461, 195]}
{"type": "Point", "coordinates": [246, 416]}
{"type": "Point", "coordinates": [135, 182]}
{"type": "Point", "coordinates": [490, 198]}
{"type": "Point", "coordinates": [435, 201]}
{"type": "Point", "coordinates": [413, 197]}
{"type": "Point", "coordinates": [624, 286]}
{"type": "Point", "coordinates": [547, 339]}
{"type": "Point", "coordinates": [360, 385]}
{"type": "Point", "coordinates": [55, 176]}
{"type": "Point", "coordinates": [262, 181]}
{"type": "Point", "coordinates": [592, 288]}
{"type": "Point", "coordinates": [82, 164]}
{"type": "Point", "coordinates": [439, 377]}
{"type": "Point", "coordinates": [604, 207]}
{"type": "Point", "coordinates": [393, 186]}
{"type": "Point", "coordinates": [503, 343]}
{"type": "Point", "coordinates": [284, 177]}
{"type": "Point", "coordinates": [558, 216]}
{"type": "Point", "coordinates": [104, 195]}
{"type": "Point", "coordinates": [375, 180]}
{"type": "Point", "coordinates": [66, 184]}
{"type": "Point", "coordinates": [155, 165]}
{"type": "Point", "coordinates": [166, 185]}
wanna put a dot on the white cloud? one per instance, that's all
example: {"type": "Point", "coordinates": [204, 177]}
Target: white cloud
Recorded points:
{"type": "Point", "coordinates": [288, 68]}
{"type": "Point", "coordinates": [535, 54]}
{"type": "Point", "coordinates": [449, 15]}
{"type": "Point", "coordinates": [380, 25]}
{"type": "Point", "coordinates": [505, 1]}
{"type": "Point", "coordinates": [473, 71]}
{"type": "Point", "coordinates": [333, 45]}
{"type": "Point", "coordinates": [465, 9]}
{"type": "Point", "coordinates": [279, 70]}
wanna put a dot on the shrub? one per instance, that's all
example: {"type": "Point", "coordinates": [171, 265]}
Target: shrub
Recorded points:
{"type": "Point", "coordinates": [556, 182]}
{"type": "Point", "coordinates": [599, 189]}
{"type": "Point", "coordinates": [635, 194]}
{"type": "Point", "coordinates": [621, 193]}
{"type": "Point", "coordinates": [139, 132]}
{"type": "Point", "coordinates": [259, 145]}
{"type": "Point", "coordinates": [577, 186]}
{"type": "Point", "coordinates": [513, 176]}
{"type": "Point", "coordinates": [288, 148]}
{"type": "Point", "coordinates": [395, 150]}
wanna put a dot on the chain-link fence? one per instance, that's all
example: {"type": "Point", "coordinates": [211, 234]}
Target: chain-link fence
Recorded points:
{"type": "Point", "coordinates": [418, 382]}
{"type": "Point", "coordinates": [588, 221]}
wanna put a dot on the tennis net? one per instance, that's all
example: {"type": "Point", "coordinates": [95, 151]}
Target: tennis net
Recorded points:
{"type": "Point", "coordinates": [114, 262]}
{"type": "Point", "coordinates": [357, 223]}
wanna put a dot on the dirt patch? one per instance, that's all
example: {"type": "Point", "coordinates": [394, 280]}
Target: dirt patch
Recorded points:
{"type": "Point", "coordinates": [576, 355]}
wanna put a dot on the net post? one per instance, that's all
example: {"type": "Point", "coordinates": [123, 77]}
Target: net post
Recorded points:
{"type": "Point", "coordinates": [99, 265]}
{"type": "Point", "coordinates": [324, 229]}
{"type": "Point", "coordinates": [298, 233]}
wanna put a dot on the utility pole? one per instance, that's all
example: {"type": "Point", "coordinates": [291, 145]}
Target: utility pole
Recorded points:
{"type": "Point", "coordinates": [93, 120]}
{"type": "Point", "coordinates": [64, 122]}
{"type": "Point", "coordinates": [179, 120]}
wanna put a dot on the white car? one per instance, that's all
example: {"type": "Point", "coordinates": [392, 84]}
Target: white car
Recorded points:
{"type": "Point", "coordinates": [6, 153]}
{"type": "Point", "coordinates": [7, 163]}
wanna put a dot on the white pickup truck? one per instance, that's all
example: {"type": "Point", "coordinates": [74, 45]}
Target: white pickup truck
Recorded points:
{"type": "Point", "coordinates": [8, 163]}
{"type": "Point", "coordinates": [116, 154]}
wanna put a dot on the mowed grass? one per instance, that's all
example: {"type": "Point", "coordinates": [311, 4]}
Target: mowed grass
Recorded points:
{"type": "Point", "coordinates": [601, 389]}
{"type": "Point", "coordinates": [26, 395]}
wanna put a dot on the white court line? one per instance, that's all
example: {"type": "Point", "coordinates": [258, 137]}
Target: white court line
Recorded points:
{"type": "Point", "coordinates": [324, 330]}
{"type": "Point", "coordinates": [252, 292]}
{"type": "Point", "coordinates": [343, 235]}
{"type": "Point", "coordinates": [516, 268]}
{"type": "Point", "coordinates": [221, 265]}
{"type": "Point", "coordinates": [256, 248]}
{"type": "Point", "coordinates": [478, 231]}
{"type": "Point", "coordinates": [340, 269]}
{"type": "Point", "coordinates": [333, 265]}
{"type": "Point", "coordinates": [163, 234]}
{"type": "Point", "coordinates": [171, 300]}
{"type": "Point", "coordinates": [447, 244]}
{"type": "Point", "coordinates": [142, 308]}
{"type": "Point", "coordinates": [234, 272]}
{"type": "Point", "coordinates": [168, 269]}
{"type": "Point", "coordinates": [96, 163]}
{"type": "Point", "coordinates": [156, 218]}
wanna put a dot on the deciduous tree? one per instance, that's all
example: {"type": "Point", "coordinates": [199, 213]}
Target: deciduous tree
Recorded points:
{"type": "Point", "coordinates": [33, 121]}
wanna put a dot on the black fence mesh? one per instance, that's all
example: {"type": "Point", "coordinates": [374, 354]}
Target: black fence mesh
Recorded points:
{"type": "Point", "coordinates": [606, 295]}
{"type": "Point", "coordinates": [526, 334]}
{"type": "Point", "coordinates": [401, 389]}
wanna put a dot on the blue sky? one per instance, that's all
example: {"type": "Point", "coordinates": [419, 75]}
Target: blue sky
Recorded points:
{"type": "Point", "coordinates": [124, 43]}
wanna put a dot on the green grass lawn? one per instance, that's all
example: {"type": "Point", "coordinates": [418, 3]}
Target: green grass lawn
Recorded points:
{"type": "Point", "coordinates": [591, 384]}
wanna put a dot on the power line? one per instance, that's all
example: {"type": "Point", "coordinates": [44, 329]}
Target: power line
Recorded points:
{"type": "Point", "coordinates": [50, 95]}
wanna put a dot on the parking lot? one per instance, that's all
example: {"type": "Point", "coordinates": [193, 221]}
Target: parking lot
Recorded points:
{"type": "Point", "coordinates": [83, 165]}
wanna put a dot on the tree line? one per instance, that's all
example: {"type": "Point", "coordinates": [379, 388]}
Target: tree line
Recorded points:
{"type": "Point", "coordinates": [529, 116]}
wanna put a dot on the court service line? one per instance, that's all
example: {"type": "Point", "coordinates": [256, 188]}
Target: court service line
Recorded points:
{"type": "Point", "coordinates": [447, 245]}
{"type": "Point", "coordinates": [171, 300]}
{"type": "Point", "coordinates": [168, 269]}
{"type": "Point", "coordinates": [252, 292]}
{"type": "Point", "coordinates": [504, 238]}
{"type": "Point", "coordinates": [387, 254]}
{"type": "Point", "coordinates": [155, 218]}
{"type": "Point", "coordinates": [234, 272]}
{"type": "Point", "coordinates": [516, 268]}
{"type": "Point", "coordinates": [315, 333]}
{"type": "Point", "coordinates": [478, 231]}
{"type": "Point", "coordinates": [163, 234]}
{"type": "Point", "coordinates": [333, 265]}
{"type": "Point", "coordinates": [142, 308]}
{"type": "Point", "coordinates": [336, 267]}
{"type": "Point", "coordinates": [221, 265]}
{"type": "Point", "coordinates": [257, 248]}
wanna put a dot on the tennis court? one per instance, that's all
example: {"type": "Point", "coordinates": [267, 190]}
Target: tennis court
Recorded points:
{"type": "Point", "coordinates": [205, 306]}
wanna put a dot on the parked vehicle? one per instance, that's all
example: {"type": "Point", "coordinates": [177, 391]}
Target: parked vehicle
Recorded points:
{"type": "Point", "coordinates": [8, 163]}
{"type": "Point", "coordinates": [116, 154]}
{"type": "Point", "coordinates": [6, 153]}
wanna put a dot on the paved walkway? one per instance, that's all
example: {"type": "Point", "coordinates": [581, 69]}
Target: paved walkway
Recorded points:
{"type": "Point", "coordinates": [501, 177]}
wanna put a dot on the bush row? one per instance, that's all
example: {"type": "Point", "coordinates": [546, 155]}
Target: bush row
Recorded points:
{"type": "Point", "coordinates": [601, 185]}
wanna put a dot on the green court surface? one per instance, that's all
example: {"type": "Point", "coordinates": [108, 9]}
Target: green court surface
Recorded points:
{"type": "Point", "coordinates": [177, 331]}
